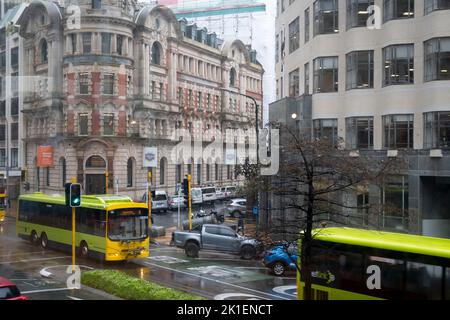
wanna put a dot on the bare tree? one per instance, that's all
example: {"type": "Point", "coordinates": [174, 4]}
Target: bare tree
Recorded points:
{"type": "Point", "coordinates": [313, 183]}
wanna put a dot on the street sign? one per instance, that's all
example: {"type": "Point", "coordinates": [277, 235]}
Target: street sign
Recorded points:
{"type": "Point", "coordinates": [255, 211]}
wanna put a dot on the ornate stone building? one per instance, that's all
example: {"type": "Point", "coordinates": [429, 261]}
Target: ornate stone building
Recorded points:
{"type": "Point", "coordinates": [103, 86]}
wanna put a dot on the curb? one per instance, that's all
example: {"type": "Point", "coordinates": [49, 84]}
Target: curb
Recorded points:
{"type": "Point", "coordinates": [104, 294]}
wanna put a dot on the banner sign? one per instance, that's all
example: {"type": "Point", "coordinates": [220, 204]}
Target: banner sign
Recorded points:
{"type": "Point", "coordinates": [150, 158]}
{"type": "Point", "coordinates": [44, 156]}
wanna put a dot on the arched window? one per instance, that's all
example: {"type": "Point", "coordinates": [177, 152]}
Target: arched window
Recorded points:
{"type": "Point", "coordinates": [62, 163]}
{"type": "Point", "coordinates": [233, 77]}
{"type": "Point", "coordinates": [44, 51]}
{"type": "Point", "coordinates": [130, 171]}
{"type": "Point", "coordinates": [156, 53]}
{"type": "Point", "coordinates": [162, 171]}
{"type": "Point", "coordinates": [95, 162]}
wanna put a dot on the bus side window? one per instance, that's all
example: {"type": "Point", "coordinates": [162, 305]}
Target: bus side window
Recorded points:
{"type": "Point", "coordinates": [422, 281]}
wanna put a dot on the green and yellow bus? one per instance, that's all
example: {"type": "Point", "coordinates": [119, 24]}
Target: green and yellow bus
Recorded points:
{"type": "Point", "coordinates": [109, 228]}
{"type": "Point", "coordinates": [356, 264]}
{"type": "Point", "coordinates": [2, 206]}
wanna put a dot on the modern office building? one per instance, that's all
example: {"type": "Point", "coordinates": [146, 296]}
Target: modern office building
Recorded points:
{"type": "Point", "coordinates": [110, 90]}
{"type": "Point", "coordinates": [384, 89]}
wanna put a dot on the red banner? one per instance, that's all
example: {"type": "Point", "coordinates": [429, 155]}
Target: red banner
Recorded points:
{"type": "Point", "coordinates": [45, 157]}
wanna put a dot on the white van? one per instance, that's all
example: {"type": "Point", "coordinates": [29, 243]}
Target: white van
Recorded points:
{"type": "Point", "coordinates": [209, 194]}
{"type": "Point", "coordinates": [160, 201]}
{"type": "Point", "coordinates": [197, 197]}
{"type": "Point", "coordinates": [229, 192]}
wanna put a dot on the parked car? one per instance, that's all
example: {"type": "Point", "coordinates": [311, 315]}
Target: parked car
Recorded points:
{"type": "Point", "coordinates": [160, 201]}
{"type": "Point", "coordinates": [197, 196]}
{"type": "Point", "coordinates": [209, 194]}
{"type": "Point", "coordinates": [216, 238]}
{"type": "Point", "coordinates": [9, 291]}
{"type": "Point", "coordinates": [237, 207]}
{"type": "Point", "coordinates": [229, 192]}
{"type": "Point", "coordinates": [281, 259]}
{"type": "Point", "coordinates": [176, 200]}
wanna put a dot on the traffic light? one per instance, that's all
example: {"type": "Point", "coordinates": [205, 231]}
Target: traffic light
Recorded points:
{"type": "Point", "coordinates": [73, 195]}
{"type": "Point", "coordinates": [186, 188]}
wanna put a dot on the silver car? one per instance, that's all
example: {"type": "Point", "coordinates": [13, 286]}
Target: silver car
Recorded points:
{"type": "Point", "coordinates": [174, 201]}
{"type": "Point", "coordinates": [237, 207]}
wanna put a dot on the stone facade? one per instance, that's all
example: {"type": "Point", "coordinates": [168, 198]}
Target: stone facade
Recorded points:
{"type": "Point", "coordinates": [127, 77]}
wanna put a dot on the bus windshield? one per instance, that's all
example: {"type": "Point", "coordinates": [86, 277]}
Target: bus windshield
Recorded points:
{"type": "Point", "coordinates": [127, 224]}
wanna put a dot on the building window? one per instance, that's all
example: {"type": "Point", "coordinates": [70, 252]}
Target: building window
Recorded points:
{"type": "Point", "coordinates": [108, 83]}
{"type": "Point", "coordinates": [83, 121]}
{"type": "Point", "coordinates": [294, 83]}
{"type": "Point", "coordinates": [15, 84]}
{"type": "Point", "coordinates": [360, 70]}
{"type": "Point", "coordinates": [326, 129]}
{"type": "Point", "coordinates": [200, 100]}
{"type": "Point", "coordinates": [360, 133]}
{"type": "Point", "coordinates": [83, 79]}
{"type": "Point", "coordinates": [2, 133]}
{"type": "Point", "coordinates": [14, 157]}
{"type": "Point", "coordinates": [178, 173]}
{"type": "Point", "coordinates": [156, 53]}
{"type": "Point", "coordinates": [307, 25]}
{"type": "Point", "coordinates": [199, 174]}
{"type": "Point", "coordinates": [208, 172]}
{"type": "Point", "coordinates": [396, 203]}
{"type": "Point", "coordinates": [130, 173]}
{"type": "Point", "coordinates": [398, 62]}
{"type": "Point", "coordinates": [62, 163]}
{"type": "Point", "coordinates": [307, 78]}
{"type": "Point", "coordinates": [326, 74]}
{"type": "Point", "coordinates": [106, 43]}
{"type": "Point", "coordinates": [398, 131]}
{"type": "Point", "coordinates": [162, 171]}
{"type": "Point", "coordinates": [229, 175]}
{"type": "Point", "coordinates": [108, 124]}
{"type": "Point", "coordinates": [120, 45]}
{"type": "Point", "coordinates": [14, 106]}
{"type": "Point", "coordinates": [294, 35]}
{"type": "Point", "coordinates": [43, 51]}
{"type": "Point", "coordinates": [87, 42]}
{"type": "Point", "coordinates": [216, 173]}
{"type": "Point", "coordinates": [73, 42]}
{"type": "Point", "coordinates": [208, 101]}
{"type": "Point", "coordinates": [15, 54]}
{"type": "Point", "coordinates": [96, 4]}
{"type": "Point", "coordinates": [233, 77]}
{"type": "Point", "coordinates": [326, 17]}
{"type": "Point", "coordinates": [2, 158]}
{"type": "Point", "coordinates": [437, 59]}
{"type": "Point", "coordinates": [432, 5]}
{"type": "Point", "coordinates": [180, 97]}
{"type": "Point", "coordinates": [2, 108]}
{"type": "Point", "coordinates": [357, 13]}
{"type": "Point", "coordinates": [437, 130]}
{"type": "Point", "coordinates": [398, 9]}
{"type": "Point", "coordinates": [14, 131]}
{"type": "Point", "coordinates": [277, 48]}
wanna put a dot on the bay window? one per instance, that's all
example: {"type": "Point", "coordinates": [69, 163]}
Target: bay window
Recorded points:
{"type": "Point", "coordinates": [437, 59]}
{"type": "Point", "coordinates": [398, 131]}
{"type": "Point", "coordinates": [398, 62]}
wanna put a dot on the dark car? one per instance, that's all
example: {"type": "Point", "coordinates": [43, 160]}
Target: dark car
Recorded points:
{"type": "Point", "coordinates": [9, 291]}
{"type": "Point", "coordinates": [281, 258]}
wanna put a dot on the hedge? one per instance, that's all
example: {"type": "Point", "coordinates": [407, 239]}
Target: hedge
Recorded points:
{"type": "Point", "coordinates": [127, 287]}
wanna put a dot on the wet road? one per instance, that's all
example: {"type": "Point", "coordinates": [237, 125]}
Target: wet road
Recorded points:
{"type": "Point", "coordinates": [212, 275]}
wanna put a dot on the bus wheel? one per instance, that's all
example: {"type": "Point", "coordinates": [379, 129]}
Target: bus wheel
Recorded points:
{"type": "Point", "coordinates": [34, 237]}
{"type": "Point", "coordinates": [44, 240]}
{"type": "Point", "coordinates": [84, 249]}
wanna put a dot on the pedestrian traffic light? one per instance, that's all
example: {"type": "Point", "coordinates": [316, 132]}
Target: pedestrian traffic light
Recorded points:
{"type": "Point", "coordinates": [186, 187]}
{"type": "Point", "coordinates": [73, 195]}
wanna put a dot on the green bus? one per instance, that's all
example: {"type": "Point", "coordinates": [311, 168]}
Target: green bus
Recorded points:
{"type": "Point", "coordinates": [346, 263]}
{"type": "Point", "coordinates": [109, 228]}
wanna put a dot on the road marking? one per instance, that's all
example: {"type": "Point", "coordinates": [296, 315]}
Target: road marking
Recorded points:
{"type": "Point", "coordinates": [45, 290]}
{"type": "Point", "coordinates": [29, 260]}
{"type": "Point", "coordinates": [214, 280]}
{"type": "Point", "coordinates": [284, 289]}
{"type": "Point", "coordinates": [167, 260]}
{"type": "Point", "coordinates": [73, 298]}
{"type": "Point", "coordinates": [19, 254]}
{"type": "Point", "coordinates": [224, 296]}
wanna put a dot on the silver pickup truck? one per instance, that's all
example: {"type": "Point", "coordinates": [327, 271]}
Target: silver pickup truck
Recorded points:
{"type": "Point", "coordinates": [217, 238]}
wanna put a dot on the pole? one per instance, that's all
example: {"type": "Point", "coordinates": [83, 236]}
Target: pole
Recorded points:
{"type": "Point", "coordinates": [190, 202]}
{"type": "Point", "coordinates": [74, 180]}
{"type": "Point", "coordinates": [179, 207]}
{"type": "Point", "coordinates": [149, 201]}
{"type": "Point", "coordinates": [107, 182]}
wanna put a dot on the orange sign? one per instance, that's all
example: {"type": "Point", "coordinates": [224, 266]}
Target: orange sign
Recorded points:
{"type": "Point", "coordinates": [45, 157]}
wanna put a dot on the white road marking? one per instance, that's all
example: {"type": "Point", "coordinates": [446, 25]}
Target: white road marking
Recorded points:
{"type": "Point", "coordinates": [29, 260]}
{"type": "Point", "coordinates": [224, 296]}
{"type": "Point", "coordinates": [73, 298]}
{"type": "Point", "coordinates": [214, 280]}
{"type": "Point", "coordinates": [45, 290]}
{"type": "Point", "coordinates": [284, 289]}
